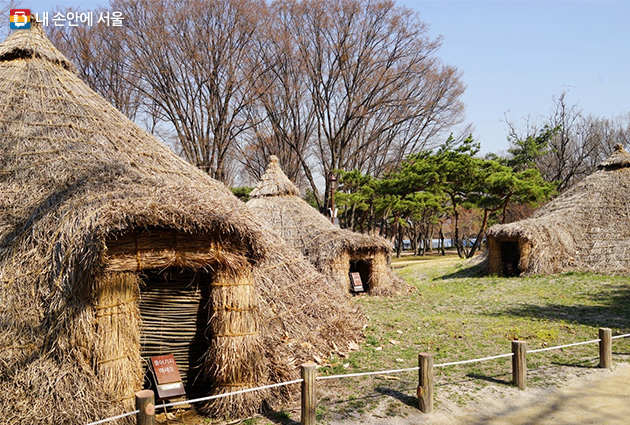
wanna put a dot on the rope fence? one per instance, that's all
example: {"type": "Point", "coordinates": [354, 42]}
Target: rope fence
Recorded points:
{"type": "Point", "coordinates": [146, 407]}
{"type": "Point", "coordinates": [213, 397]}
{"type": "Point", "coordinates": [540, 350]}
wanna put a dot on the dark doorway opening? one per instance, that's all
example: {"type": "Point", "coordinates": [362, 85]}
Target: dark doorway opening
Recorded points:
{"type": "Point", "coordinates": [510, 257]}
{"type": "Point", "coordinates": [174, 311]}
{"type": "Point", "coordinates": [364, 268]}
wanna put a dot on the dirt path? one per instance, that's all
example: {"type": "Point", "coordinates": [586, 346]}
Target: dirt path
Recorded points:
{"type": "Point", "coordinates": [596, 396]}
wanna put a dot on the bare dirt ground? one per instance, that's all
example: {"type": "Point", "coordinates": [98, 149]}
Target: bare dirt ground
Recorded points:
{"type": "Point", "coordinates": [587, 396]}
{"type": "Point", "coordinates": [573, 396]}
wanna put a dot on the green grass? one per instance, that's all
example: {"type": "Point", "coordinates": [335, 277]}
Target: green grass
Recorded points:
{"type": "Point", "coordinates": [458, 315]}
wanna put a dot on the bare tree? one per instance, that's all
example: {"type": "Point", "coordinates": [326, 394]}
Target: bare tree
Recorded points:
{"type": "Point", "coordinates": [197, 62]}
{"type": "Point", "coordinates": [577, 143]}
{"type": "Point", "coordinates": [604, 134]}
{"type": "Point", "coordinates": [101, 55]}
{"type": "Point", "coordinates": [5, 9]}
{"type": "Point", "coordinates": [322, 85]}
{"type": "Point", "coordinates": [371, 70]}
{"type": "Point", "coordinates": [567, 159]}
{"type": "Point", "coordinates": [286, 119]}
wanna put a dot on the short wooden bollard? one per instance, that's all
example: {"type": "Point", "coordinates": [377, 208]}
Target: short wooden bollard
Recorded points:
{"type": "Point", "coordinates": [309, 399]}
{"type": "Point", "coordinates": [605, 348]}
{"type": "Point", "coordinates": [519, 364]}
{"type": "Point", "coordinates": [425, 382]}
{"type": "Point", "coordinates": [145, 403]}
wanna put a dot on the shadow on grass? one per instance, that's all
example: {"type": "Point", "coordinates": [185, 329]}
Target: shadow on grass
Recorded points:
{"type": "Point", "coordinates": [576, 365]}
{"type": "Point", "coordinates": [402, 397]}
{"type": "Point", "coordinates": [477, 270]}
{"type": "Point", "coordinates": [489, 379]}
{"type": "Point", "coordinates": [280, 418]}
{"type": "Point", "coordinates": [612, 309]}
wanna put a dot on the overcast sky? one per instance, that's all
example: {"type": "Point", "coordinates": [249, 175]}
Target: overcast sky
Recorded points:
{"type": "Point", "coordinates": [516, 55]}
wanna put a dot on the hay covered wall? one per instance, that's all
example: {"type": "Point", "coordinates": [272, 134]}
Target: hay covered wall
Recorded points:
{"type": "Point", "coordinates": [276, 200]}
{"type": "Point", "coordinates": [75, 174]}
{"type": "Point", "coordinates": [586, 228]}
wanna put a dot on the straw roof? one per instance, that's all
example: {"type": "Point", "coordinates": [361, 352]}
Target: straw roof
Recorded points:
{"type": "Point", "coordinates": [586, 228]}
{"type": "Point", "coordinates": [75, 172]}
{"type": "Point", "coordinates": [276, 200]}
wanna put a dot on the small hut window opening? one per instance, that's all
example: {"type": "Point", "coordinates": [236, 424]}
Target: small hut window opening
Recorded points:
{"type": "Point", "coordinates": [364, 268]}
{"type": "Point", "coordinates": [510, 257]}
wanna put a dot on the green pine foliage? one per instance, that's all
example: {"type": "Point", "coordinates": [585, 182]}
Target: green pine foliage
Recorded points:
{"type": "Point", "coordinates": [429, 187]}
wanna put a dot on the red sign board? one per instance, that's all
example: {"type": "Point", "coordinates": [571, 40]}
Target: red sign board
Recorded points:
{"type": "Point", "coordinates": [165, 369]}
{"type": "Point", "coordinates": [169, 382]}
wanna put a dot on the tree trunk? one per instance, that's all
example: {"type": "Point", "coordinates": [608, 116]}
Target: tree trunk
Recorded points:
{"type": "Point", "coordinates": [477, 243]}
{"type": "Point", "coordinates": [458, 243]}
{"type": "Point", "coordinates": [400, 240]}
{"type": "Point", "coordinates": [352, 221]}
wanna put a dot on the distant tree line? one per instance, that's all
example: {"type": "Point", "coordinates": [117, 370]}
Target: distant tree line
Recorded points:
{"type": "Point", "coordinates": [432, 189]}
{"type": "Point", "coordinates": [344, 85]}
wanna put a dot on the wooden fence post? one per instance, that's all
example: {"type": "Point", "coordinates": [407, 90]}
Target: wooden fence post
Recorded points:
{"type": "Point", "coordinates": [519, 364]}
{"type": "Point", "coordinates": [425, 382]}
{"type": "Point", "coordinates": [309, 399]}
{"type": "Point", "coordinates": [145, 403]}
{"type": "Point", "coordinates": [605, 348]}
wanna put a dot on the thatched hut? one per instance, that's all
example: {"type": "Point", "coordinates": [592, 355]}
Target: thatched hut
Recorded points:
{"type": "Point", "coordinates": [586, 228]}
{"type": "Point", "coordinates": [113, 249]}
{"type": "Point", "coordinates": [335, 252]}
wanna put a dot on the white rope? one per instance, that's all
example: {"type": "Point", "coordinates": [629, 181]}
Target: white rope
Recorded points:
{"type": "Point", "coordinates": [349, 375]}
{"type": "Point", "coordinates": [212, 397]}
{"type": "Point", "coordinates": [124, 415]}
{"type": "Point", "coordinates": [384, 372]}
{"type": "Point", "coordinates": [563, 346]}
{"type": "Point", "coordinates": [474, 360]}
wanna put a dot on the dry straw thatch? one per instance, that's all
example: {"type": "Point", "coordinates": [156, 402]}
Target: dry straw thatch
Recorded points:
{"type": "Point", "coordinates": [586, 228]}
{"type": "Point", "coordinates": [334, 251]}
{"type": "Point", "coordinates": [93, 212]}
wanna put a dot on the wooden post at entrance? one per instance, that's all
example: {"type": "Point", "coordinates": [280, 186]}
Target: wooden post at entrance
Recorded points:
{"type": "Point", "coordinates": [145, 403]}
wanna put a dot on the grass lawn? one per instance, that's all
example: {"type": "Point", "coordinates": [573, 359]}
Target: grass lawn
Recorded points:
{"type": "Point", "coordinates": [458, 315]}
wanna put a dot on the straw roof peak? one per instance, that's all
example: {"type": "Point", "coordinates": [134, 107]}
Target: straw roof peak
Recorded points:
{"type": "Point", "coordinates": [620, 158]}
{"type": "Point", "coordinates": [274, 182]}
{"type": "Point", "coordinates": [32, 43]}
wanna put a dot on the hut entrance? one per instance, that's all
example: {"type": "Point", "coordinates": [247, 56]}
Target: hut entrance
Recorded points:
{"type": "Point", "coordinates": [174, 311]}
{"type": "Point", "coordinates": [364, 268]}
{"type": "Point", "coordinates": [510, 257]}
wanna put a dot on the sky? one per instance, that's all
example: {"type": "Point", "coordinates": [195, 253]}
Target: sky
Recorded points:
{"type": "Point", "coordinates": [516, 55]}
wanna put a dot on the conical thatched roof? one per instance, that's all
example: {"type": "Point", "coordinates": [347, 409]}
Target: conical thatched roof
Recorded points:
{"type": "Point", "coordinates": [586, 228]}
{"type": "Point", "coordinates": [74, 172]}
{"type": "Point", "coordinates": [275, 199]}
{"type": "Point", "coordinates": [274, 182]}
